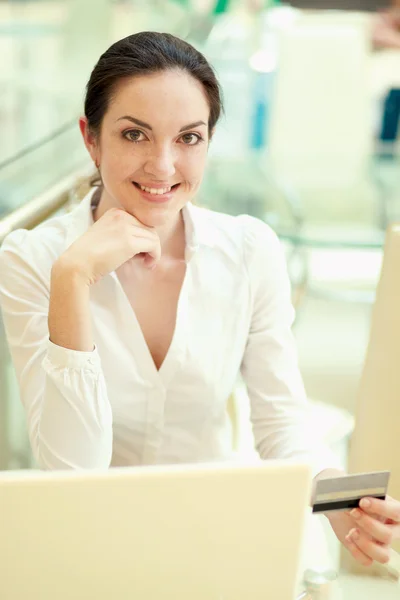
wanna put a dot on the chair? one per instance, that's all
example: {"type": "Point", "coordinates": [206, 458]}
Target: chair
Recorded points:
{"type": "Point", "coordinates": [321, 127]}
{"type": "Point", "coordinates": [320, 138]}
{"type": "Point", "coordinates": [375, 441]}
{"type": "Point", "coordinates": [320, 141]}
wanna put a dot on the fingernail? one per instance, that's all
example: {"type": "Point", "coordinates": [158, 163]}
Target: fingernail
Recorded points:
{"type": "Point", "coordinates": [365, 503]}
{"type": "Point", "coordinates": [355, 534]}
{"type": "Point", "coordinates": [355, 513]}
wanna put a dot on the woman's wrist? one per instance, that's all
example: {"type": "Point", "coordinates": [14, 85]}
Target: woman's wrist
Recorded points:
{"type": "Point", "coordinates": [67, 271]}
{"type": "Point", "coordinates": [69, 310]}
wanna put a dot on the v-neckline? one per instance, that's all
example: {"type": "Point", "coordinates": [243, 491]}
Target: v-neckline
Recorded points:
{"type": "Point", "coordinates": [141, 350]}
{"type": "Point", "coordinates": [177, 348]}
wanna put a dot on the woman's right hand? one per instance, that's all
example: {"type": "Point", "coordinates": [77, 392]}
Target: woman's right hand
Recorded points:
{"type": "Point", "coordinates": [113, 240]}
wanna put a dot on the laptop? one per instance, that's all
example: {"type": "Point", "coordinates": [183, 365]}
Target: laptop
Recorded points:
{"type": "Point", "coordinates": [219, 531]}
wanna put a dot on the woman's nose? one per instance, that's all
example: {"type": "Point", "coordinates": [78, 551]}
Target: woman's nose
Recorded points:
{"type": "Point", "coordinates": [161, 163]}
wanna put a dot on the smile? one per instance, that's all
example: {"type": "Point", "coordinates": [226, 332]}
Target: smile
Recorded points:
{"type": "Point", "coordinates": [157, 195]}
{"type": "Point", "coordinates": [156, 191]}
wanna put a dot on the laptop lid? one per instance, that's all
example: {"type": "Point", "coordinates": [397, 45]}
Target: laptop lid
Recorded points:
{"type": "Point", "coordinates": [204, 532]}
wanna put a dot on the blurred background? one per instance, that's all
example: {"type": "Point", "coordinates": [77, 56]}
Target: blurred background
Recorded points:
{"type": "Point", "coordinates": [309, 143]}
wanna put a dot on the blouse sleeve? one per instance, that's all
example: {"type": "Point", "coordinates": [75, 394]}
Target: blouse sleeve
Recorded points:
{"type": "Point", "coordinates": [63, 391]}
{"type": "Point", "coordinates": [279, 407]}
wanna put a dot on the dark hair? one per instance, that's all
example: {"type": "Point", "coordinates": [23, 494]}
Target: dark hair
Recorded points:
{"type": "Point", "coordinates": [143, 54]}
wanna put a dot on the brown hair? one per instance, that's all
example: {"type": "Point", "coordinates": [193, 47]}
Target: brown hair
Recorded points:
{"type": "Point", "coordinates": [145, 53]}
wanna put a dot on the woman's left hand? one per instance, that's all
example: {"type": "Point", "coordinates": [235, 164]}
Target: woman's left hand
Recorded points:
{"type": "Point", "coordinates": [369, 531]}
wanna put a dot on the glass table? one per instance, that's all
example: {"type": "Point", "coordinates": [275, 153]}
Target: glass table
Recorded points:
{"type": "Point", "coordinates": [324, 203]}
{"type": "Point", "coordinates": [353, 587]}
{"type": "Point", "coordinates": [310, 203]}
{"type": "Point", "coordinates": [322, 554]}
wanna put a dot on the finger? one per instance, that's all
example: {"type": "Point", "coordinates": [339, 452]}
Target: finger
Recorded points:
{"type": "Point", "coordinates": [356, 552]}
{"type": "Point", "coordinates": [151, 247]}
{"type": "Point", "coordinates": [150, 240]}
{"type": "Point", "coordinates": [146, 260]}
{"type": "Point", "coordinates": [389, 508]}
{"type": "Point", "coordinates": [140, 232]}
{"type": "Point", "coordinates": [155, 253]}
{"type": "Point", "coordinates": [389, 521]}
{"type": "Point", "coordinates": [396, 532]}
{"type": "Point", "coordinates": [374, 551]}
{"type": "Point", "coordinates": [149, 261]}
{"type": "Point", "coordinates": [377, 530]}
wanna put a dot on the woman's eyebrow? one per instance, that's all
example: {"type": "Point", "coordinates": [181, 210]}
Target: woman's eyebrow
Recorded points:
{"type": "Point", "coordinates": [147, 126]}
{"type": "Point", "coordinates": [136, 121]}
{"type": "Point", "coordinates": [192, 125]}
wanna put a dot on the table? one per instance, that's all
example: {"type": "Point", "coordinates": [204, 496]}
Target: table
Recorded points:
{"type": "Point", "coordinates": [353, 587]}
{"type": "Point", "coordinates": [318, 556]}
{"type": "Point", "coordinates": [319, 203]}
{"type": "Point", "coordinates": [302, 203]}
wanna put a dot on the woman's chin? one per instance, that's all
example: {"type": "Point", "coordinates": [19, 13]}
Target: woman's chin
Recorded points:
{"type": "Point", "coordinates": [153, 216]}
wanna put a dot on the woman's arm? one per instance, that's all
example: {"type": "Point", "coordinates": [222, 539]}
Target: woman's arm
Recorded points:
{"type": "Point", "coordinates": [279, 408]}
{"type": "Point", "coordinates": [70, 324]}
{"type": "Point", "coordinates": [62, 388]}
{"type": "Point", "coordinates": [44, 293]}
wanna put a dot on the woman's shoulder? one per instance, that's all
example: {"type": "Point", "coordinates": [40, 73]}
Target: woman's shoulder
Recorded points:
{"type": "Point", "coordinates": [40, 247]}
{"type": "Point", "coordinates": [247, 233]}
{"type": "Point", "coordinates": [46, 237]}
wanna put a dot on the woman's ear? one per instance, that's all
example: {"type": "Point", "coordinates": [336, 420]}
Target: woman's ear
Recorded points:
{"type": "Point", "coordinates": [90, 140]}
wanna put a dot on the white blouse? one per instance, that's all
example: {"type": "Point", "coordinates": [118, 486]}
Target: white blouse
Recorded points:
{"type": "Point", "coordinates": [111, 407]}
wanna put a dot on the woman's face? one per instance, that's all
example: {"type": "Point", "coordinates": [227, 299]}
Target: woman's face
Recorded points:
{"type": "Point", "coordinates": [154, 135]}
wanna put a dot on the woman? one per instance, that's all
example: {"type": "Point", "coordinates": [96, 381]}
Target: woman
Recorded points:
{"type": "Point", "coordinates": [386, 28]}
{"type": "Point", "coordinates": [385, 22]}
{"type": "Point", "coordinates": [130, 318]}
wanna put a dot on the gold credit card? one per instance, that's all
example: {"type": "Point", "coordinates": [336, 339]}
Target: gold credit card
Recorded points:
{"type": "Point", "coordinates": [345, 493]}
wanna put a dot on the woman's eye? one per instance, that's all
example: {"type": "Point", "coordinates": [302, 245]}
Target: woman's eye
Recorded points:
{"type": "Point", "coordinates": [191, 139]}
{"type": "Point", "coordinates": [133, 135]}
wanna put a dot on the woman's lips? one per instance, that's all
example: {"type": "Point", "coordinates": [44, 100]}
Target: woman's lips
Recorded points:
{"type": "Point", "coordinates": [157, 198]}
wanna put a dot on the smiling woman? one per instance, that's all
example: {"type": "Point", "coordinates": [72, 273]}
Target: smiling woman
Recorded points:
{"type": "Point", "coordinates": [130, 319]}
{"type": "Point", "coordinates": [152, 103]}
{"type": "Point", "coordinates": [151, 162]}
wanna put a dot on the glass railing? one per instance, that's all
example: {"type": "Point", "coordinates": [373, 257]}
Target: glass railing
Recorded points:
{"type": "Point", "coordinates": [48, 50]}
{"type": "Point", "coordinates": [40, 166]}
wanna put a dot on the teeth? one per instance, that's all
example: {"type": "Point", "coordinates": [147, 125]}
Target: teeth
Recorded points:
{"type": "Point", "coordinates": [157, 192]}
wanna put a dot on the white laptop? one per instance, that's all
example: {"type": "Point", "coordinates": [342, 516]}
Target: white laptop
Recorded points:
{"type": "Point", "coordinates": [193, 532]}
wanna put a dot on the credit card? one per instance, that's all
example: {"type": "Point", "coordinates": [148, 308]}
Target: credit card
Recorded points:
{"type": "Point", "coordinates": [344, 493]}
